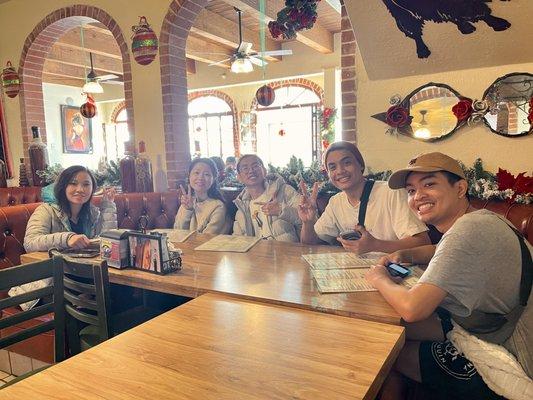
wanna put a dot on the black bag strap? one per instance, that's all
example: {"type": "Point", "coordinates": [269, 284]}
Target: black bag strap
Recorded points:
{"type": "Point", "coordinates": [369, 184]}
{"type": "Point", "coordinates": [526, 278]}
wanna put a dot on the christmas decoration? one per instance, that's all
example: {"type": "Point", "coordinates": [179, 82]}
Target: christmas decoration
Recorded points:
{"type": "Point", "coordinates": [144, 42]}
{"type": "Point", "coordinates": [282, 132]}
{"type": "Point", "coordinates": [326, 118]}
{"type": "Point", "coordinates": [265, 95]}
{"type": "Point", "coordinates": [88, 109]}
{"type": "Point", "coordinates": [10, 81]}
{"type": "Point", "coordinates": [23, 174]}
{"type": "Point", "coordinates": [296, 16]}
{"type": "Point", "coordinates": [463, 109]}
{"type": "Point", "coordinates": [530, 115]}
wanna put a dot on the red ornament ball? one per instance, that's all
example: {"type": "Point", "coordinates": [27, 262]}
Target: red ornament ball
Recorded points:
{"type": "Point", "coordinates": [88, 110]}
{"type": "Point", "coordinates": [265, 95]}
{"type": "Point", "coordinates": [282, 132]}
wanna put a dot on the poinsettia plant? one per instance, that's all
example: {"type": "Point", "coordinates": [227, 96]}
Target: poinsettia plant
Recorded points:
{"type": "Point", "coordinates": [326, 118]}
{"type": "Point", "coordinates": [520, 185]}
{"type": "Point", "coordinates": [295, 16]}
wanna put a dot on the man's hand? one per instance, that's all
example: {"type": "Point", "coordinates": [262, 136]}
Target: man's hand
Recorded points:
{"type": "Point", "coordinates": [272, 207]}
{"type": "Point", "coordinates": [186, 199]}
{"type": "Point", "coordinates": [377, 273]}
{"type": "Point", "coordinates": [307, 206]}
{"type": "Point", "coordinates": [397, 257]}
{"type": "Point", "coordinates": [366, 243]}
{"type": "Point", "coordinates": [78, 242]}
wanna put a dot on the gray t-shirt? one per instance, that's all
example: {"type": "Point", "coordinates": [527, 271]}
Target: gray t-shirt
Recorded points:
{"type": "Point", "coordinates": [478, 263]}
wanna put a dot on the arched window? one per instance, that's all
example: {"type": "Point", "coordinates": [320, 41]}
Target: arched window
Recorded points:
{"type": "Point", "coordinates": [115, 142]}
{"type": "Point", "coordinates": [288, 126]}
{"type": "Point", "coordinates": [211, 127]}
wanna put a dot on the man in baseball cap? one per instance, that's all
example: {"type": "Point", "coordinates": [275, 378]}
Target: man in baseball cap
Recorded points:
{"type": "Point", "coordinates": [474, 274]}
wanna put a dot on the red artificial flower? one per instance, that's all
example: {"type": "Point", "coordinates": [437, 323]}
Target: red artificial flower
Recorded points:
{"type": "Point", "coordinates": [523, 184]}
{"type": "Point", "coordinates": [506, 180]}
{"type": "Point", "coordinates": [325, 144]}
{"type": "Point", "coordinates": [294, 14]}
{"type": "Point", "coordinates": [530, 116]}
{"type": "Point", "coordinates": [276, 29]}
{"type": "Point", "coordinates": [463, 109]}
{"type": "Point", "coordinates": [397, 117]}
{"type": "Point", "coordinates": [327, 112]}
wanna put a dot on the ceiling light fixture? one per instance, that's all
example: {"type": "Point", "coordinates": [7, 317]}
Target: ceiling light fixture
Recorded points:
{"type": "Point", "coordinates": [92, 87]}
{"type": "Point", "coordinates": [241, 65]}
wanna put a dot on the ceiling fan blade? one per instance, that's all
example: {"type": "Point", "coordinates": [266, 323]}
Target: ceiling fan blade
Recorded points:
{"type": "Point", "coordinates": [106, 77]}
{"type": "Point", "coordinates": [257, 61]}
{"type": "Point", "coordinates": [113, 83]}
{"type": "Point", "coordinates": [276, 53]}
{"type": "Point", "coordinates": [208, 53]}
{"type": "Point", "coordinates": [219, 62]}
{"type": "Point", "coordinates": [244, 48]}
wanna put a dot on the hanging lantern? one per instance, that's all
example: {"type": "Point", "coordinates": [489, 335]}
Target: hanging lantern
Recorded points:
{"type": "Point", "coordinates": [143, 42]}
{"type": "Point", "coordinates": [10, 81]}
{"type": "Point", "coordinates": [265, 95]}
{"type": "Point", "coordinates": [88, 109]}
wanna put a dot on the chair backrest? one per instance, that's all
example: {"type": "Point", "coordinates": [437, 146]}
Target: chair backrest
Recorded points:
{"type": "Point", "coordinates": [86, 297]}
{"type": "Point", "coordinates": [27, 273]}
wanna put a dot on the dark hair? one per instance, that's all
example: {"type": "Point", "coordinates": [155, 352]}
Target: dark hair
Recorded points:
{"type": "Point", "coordinates": [453, 179]}
{"type": "Point", "coordinates": [214, 191]}
{"type": "Point", "coordinates": [219, 162]}
{"type": "Point", "coordinates": [62, 181]}
{"type": "Point", "coordinates": [348, 146]}
{"type": "Point", "coordinates": [231, 159]}
{"type": "Point", "coordinates": [248, 156]}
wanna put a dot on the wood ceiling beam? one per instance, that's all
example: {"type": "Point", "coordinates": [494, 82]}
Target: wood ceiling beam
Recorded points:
{"type": "Point", "coordinates": [94, 42]}
{"type": "Point", "coordinates": [318, 38]}
{"type": "Point", "coordinates": [206, 52]}
{"type": "Point", "coordinates": [214, 27]}
{"type": "Point", "coordinates": [80, 58]}
{"type": "Point", "coordinates": [56, 68]}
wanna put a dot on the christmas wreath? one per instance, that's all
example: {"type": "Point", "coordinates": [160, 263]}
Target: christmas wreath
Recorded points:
{"type": "Point", "coordinates": [326, 117]}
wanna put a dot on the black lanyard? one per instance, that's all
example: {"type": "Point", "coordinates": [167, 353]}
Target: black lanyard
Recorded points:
{"type": "Point", "coordinates": [364, 201]}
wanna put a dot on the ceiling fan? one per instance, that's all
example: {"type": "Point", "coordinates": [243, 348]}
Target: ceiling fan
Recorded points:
{"type": "Point", "coordinates": [244, 57]}
{"type": "Point", "coordinates": [92, 81]}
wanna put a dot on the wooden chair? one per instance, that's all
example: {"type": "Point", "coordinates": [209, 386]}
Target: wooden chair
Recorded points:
{"type": "Point", "coordinates": [88, 306]}
{"type": "Point", "coordinates": [27, 273]}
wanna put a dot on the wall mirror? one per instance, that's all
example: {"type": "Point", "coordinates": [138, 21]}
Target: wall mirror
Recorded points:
{"type": "Point", "coordinates": [426, 113]}
{"type": "Point", "coordinates": [508, 101]}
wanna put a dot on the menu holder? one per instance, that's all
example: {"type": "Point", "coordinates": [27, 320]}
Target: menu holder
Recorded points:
{"type": "Point", "coordinates": [237, 244]}
{"type": "Point", "coordinates": [149, 252]}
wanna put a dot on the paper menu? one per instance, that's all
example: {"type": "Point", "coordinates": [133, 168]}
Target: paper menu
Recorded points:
{"type": "Point", "coordinates": [234, 243]}
{"type": "Point", "coordinates": [346, 260]}
{"type": "Point", "coordinates": [353, 280]}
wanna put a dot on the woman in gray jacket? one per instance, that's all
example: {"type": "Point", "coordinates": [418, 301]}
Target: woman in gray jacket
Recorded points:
{"type": "Point", "coordinates": [72, 220]}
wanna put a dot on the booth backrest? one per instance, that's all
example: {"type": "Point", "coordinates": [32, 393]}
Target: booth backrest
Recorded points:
{"type": "Point", "coordinates": [159, 208]}
{"type": "Point", "coordinates": [12, 196]}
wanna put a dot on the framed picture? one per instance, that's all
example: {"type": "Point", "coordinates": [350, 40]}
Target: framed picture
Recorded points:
{"type": "Point", "coordinates": [76, 131]}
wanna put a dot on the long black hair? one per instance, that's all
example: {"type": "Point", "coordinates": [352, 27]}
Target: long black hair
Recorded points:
{"type": "Point", "coordinates": [60, 193]}
{"type": "Point", "coordinates": [214, 191]}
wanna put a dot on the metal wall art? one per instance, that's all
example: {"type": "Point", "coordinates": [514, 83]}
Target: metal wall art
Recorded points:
{"type": "Point", "coordinates": [411, 15]}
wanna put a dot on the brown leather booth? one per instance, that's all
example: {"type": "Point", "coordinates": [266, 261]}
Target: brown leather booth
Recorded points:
{"type": "Point", "coordinates": [159, 208]}
{"type": "Point", "coordinates": [12, 196]}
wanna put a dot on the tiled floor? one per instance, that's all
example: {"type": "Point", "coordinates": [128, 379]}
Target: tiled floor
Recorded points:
{"type": "Point", "coordinates": [13, 365]}
{"type": "Point", "coordinates": [5, 378]}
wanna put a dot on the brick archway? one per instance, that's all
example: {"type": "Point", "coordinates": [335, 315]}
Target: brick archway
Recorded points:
{"type": "Point", "coordinates": [301, 82]}
{"type": "Point", "coordinates": [118, 108]}
{"type": "Point", "coordinates": [172, 41]}
{"type": "Point", "coordinates": [36, 47]}
{"type": "Point", "coordinates": [229, 101]}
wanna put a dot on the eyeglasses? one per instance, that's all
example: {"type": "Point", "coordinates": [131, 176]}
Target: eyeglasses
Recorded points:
{"type": "Point", "coordinates": [247, 168]}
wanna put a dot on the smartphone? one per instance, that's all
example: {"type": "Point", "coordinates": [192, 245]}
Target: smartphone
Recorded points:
{"type": "Point", "coordinates": [351, 235]}
{"type": "Point", "coordinates": [398, 270]}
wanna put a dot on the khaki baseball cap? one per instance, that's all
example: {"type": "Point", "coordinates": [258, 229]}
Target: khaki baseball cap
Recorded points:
{"type": "Point", "coordinates": [428, 162]}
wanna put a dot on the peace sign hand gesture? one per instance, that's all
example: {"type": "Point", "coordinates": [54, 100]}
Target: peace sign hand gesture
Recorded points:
{"type": "Point", "coordinates": [186, 198]}
{"type": "Point", "coordinates": [307, 207]}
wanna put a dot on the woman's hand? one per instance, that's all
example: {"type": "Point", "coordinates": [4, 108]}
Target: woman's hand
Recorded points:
{"type": "Point", "coordinates": [307, 207]}
{"type": "Point", "coordinates": [364, 244]}
{"type": "Point", "coordinates": [109, 194]}
{"type": "Point", "coordinates": [186, 199]}
{"type": "Point", "coordinates": [78, 241]}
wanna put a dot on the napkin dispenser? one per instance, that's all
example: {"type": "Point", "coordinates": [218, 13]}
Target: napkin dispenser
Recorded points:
{"type": "Point", "coordinates": [114, 248]}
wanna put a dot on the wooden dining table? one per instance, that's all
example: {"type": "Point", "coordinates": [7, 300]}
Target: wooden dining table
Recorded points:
{"type": "Point", "coordinates": [271, 271]}
{"type": "Point", "coordinates": [219, 347]}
